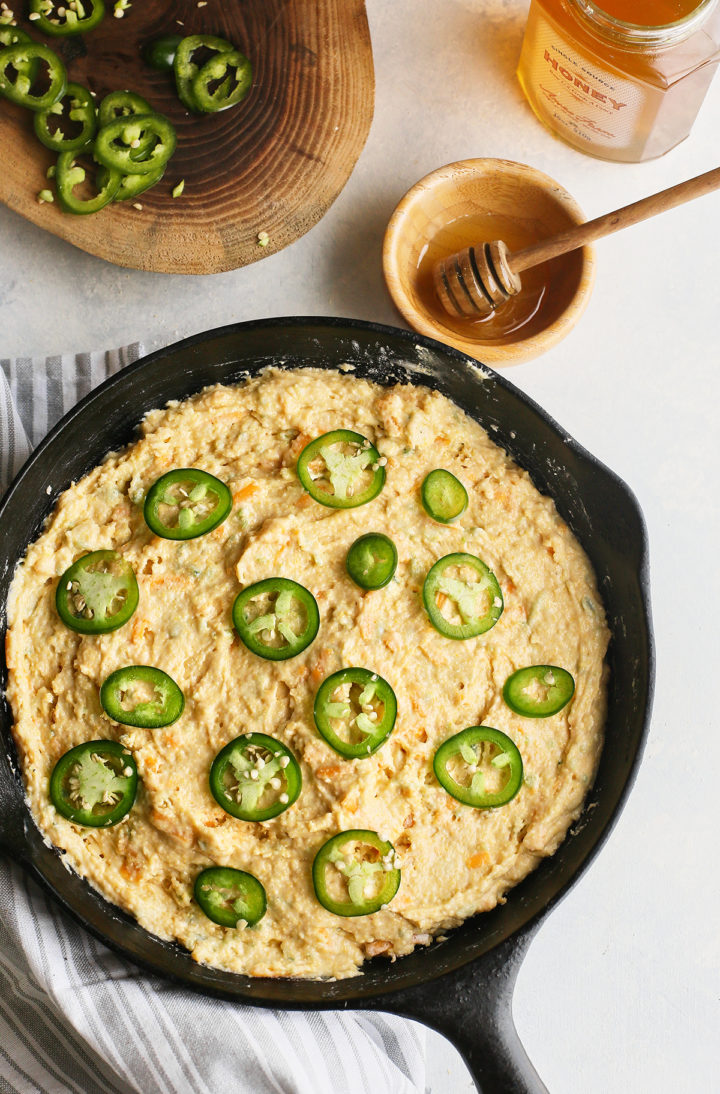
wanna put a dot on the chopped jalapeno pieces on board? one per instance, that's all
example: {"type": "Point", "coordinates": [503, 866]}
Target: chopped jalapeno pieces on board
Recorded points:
{"type": "Point", "coordinates": [462, 596]}
{"type": "Point", "coordinates": [140, 695]}
{"type": "Point", "coordinates": [98, 593]}
{"type": "Point", "coordinates": [354, 873]}
{"type": "Point", "coordinates": [341, 469]}
{"type": "Point", "coordinates": [223, 81]}
{"type": "Point", "coordinates": [186, 503]}
{"type": "Point", "coordinates": [230, 897]}
{"type": "Point", "coordinates": [276, 618]}
{"type": "Point", "coordinates": [255, 777]}
{"type": "Point", "coordinates": [60, 18]}
{"type": "Point", "coordinates": [372, 561]}
{"type": "Point", "coordinates": [479, 766]}
{"type": "Point", "coordinates": [538, 690]}
{"type": "Point", "coordinates": [26, 61]}
{"type": "Point", "coordinates": [355, 711]}
{"type": "Point", "coordinates": [94, 784]}
{"type": "Point", "coordinates": [443, 496]}
{"type": "Point", "coordinates": [57, 128]}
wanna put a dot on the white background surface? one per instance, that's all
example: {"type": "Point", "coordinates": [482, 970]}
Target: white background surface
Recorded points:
{"type": "Point", "coordinates": [620, 988]}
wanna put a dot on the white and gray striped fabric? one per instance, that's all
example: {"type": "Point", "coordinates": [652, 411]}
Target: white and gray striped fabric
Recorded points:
{"type": "Point", "coordinates": [77, 1019]}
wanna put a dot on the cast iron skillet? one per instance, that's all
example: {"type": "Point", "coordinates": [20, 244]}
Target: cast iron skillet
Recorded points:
{"type": "Point", "coordinates": [462, 986]}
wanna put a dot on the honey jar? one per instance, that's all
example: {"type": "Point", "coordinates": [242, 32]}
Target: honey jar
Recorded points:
{"type": "Point", "coordinates": [622, 79]}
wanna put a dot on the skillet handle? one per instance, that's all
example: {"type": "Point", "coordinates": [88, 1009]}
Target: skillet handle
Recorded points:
{"type": "Point", "coordinates": [472, 1007]}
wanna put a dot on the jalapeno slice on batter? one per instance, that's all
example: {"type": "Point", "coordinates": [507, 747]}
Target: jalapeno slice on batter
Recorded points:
{"type": "Point", "coordinates": [462, 596]}
{"type": "Point", "coordinates": [538, 691]}
{"type": "Point", "coordinates": [372, 561]}
{"type": "Point", "coordinates": [341, 469]}
{"type": "Point", "coordinates": [94, 784]}
{"type": "Point", "coordinates": [186, 503]}
{"type": "Point", "coordinates": [443, 496]}
{"type": "Point", "coordinates": [140, 695]}
{"type": "Point", "coordinates": [255, 777]}
{"type": "Point", "coordinates": [354, 873]}
{"type": "Point", "coordinates": [98, 593]}
{"type": "Point", "coordinates": [230, 897]}
{"type": "Point", "coordinates": [355, 712]}
{"type": "Point", "coordinates": [479, 766]}
{"type": "Point", "coordinates": [276, 618]}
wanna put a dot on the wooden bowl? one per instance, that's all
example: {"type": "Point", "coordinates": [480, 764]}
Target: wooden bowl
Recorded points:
{"type": "Point", "coordinates": [484, 199]}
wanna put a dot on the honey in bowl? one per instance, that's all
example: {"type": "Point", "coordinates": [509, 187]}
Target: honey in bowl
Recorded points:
{"type": "Point", "coordinates": [620, 79]}
{"type": "Point", "coordinates": [544, 287]}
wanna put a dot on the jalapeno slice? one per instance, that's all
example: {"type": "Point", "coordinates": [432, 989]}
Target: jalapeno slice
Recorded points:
{"type": "Point", "coordinates": [443, 496]}
{"type": "Point", "coordinates": [186, 503]}
{"type": "Point", "coordinates": [372, 561]}
{"type": "Point", "coordinates": [185, 65]}
{"type": "Point", "coordinates": [160, 52]}
{"type": "Point", "coordinates": [355, 712]}
{"type": "Point", "coordinates": [354, 873]}
{"type": "Point", "coordinates": [131, 186]}
{"type": "Point", "coordinates": [462, 596]}
{"type": "Point", "coordinates": [538, 691]}
{"type": "Point", "coordinates": [13, 36]}
{"type": "Point", "coordinates": [255, 777]}
{"type": "Point", "coordinates": [60, 18]}
{"type": "Point", "coordinates": [127, 104]}
{"type": "Point", "coordinates": [94, 784]}
{"type": "Point", "coordinates": [140, 695]}
{"type": "Point", "coordinates": [479, 766]}
{"type": "Point", "coordinates": [230, 897]}
{"type": "Point", "coordinates": [26, 61]}
{"type": "Point", "coordinates": [341, 469]}
{"type": "Point", "coordinates": [122, 104]}
{"type": "Point", "coordinates": [69, 174]}
{"type": "Point", "coordinates": [276, 618]}
{"type": "Point", "coordinates": [57, 128]}
{"type": "Point", "coordinates": [223, 81]}
{"type": "Point", "coordinates": [98, 593]}
{"type": "Point", "coordinates": [115, 144]}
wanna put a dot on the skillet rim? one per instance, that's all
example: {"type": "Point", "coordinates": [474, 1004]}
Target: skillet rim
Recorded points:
{"type": "Point", "coordinates": [439, 958]}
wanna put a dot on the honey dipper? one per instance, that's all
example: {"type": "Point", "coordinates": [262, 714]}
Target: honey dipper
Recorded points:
{"type": "Point", "coordinates": [473, 282]}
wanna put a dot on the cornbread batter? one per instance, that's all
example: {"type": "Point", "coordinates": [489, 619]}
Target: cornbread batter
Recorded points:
{"type": "Point", "coordinates": [454, 860]}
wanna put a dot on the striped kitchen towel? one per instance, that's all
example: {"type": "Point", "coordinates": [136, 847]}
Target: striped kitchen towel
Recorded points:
{"type": "Point", "coordinates": [74, 1017]}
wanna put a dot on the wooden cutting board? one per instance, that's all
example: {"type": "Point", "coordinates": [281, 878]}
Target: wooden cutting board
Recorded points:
{"type": "Point", "coordinates": [275, 163]}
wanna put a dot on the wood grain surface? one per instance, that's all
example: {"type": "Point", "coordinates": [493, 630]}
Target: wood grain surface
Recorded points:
{"type": "Point", "coordinates": [275, 163]}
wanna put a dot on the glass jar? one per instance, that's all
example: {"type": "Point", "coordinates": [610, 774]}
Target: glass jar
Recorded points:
{"type": "Point", "coordinates": [617, 89]}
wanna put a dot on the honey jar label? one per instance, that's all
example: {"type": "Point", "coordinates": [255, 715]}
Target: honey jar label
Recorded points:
{"type": "Point", "coordinates": [591, 104]}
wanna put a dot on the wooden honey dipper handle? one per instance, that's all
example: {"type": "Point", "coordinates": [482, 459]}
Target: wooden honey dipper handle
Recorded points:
{"type": "Point", "coordinates": [614, 222]}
